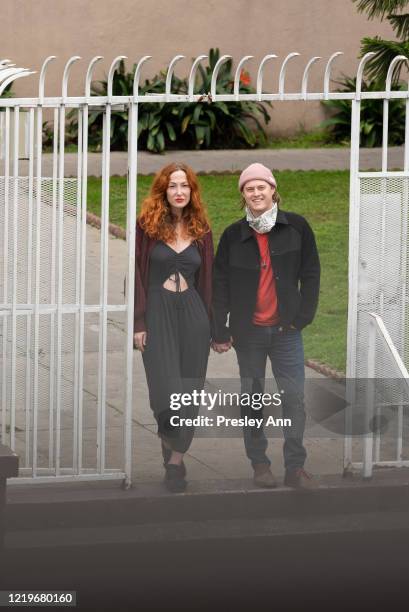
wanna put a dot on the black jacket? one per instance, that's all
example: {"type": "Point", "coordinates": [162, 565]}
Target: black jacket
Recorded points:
{"type": "Point", "coordinates": [296, 268]}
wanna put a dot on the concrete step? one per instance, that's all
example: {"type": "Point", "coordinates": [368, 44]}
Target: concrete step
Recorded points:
{"type": "Point", "coordinates": [131, 536]}
{"type": "Point", "coordinates": [220, 547]}
{"type": "Point", "coordinates": [62, 507]}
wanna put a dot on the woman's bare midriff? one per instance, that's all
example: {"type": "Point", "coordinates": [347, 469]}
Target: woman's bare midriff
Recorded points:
{"type": "Point", "coordinates": [171, 284]}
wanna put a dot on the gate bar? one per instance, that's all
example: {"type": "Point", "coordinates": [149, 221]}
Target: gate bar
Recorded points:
{"type": "Point", "coordinates": [77, 292]}
{"type": "Point", "coordinates": [55, 185]}
{"type": "Point", "coordinates": [29, 281]}
{"type": "Point", "coordinates": [5, 273]}
{"type": "Point", "coordinates": [16, 126]}
{"type": "Point", "coordinates": [353, 255]}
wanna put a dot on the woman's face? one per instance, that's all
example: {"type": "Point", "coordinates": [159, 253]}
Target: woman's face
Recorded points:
{"type": "Point", "coordinates": [178, 191]}
{"type": "Point", "coordinates": [259, 196]}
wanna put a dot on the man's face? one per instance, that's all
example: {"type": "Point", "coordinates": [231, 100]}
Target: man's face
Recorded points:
{"type": "Point", "coordinates": [259, 196]}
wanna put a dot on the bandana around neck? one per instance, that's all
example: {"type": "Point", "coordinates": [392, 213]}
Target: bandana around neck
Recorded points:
{"type": "Point", "coordinates": [265, 222]}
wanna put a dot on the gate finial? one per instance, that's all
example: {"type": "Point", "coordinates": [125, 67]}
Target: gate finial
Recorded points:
{"type": "Point", "coordinates": [396, 60]}
{"type": "Point", "coordinates": [137, 75]}
{"type": "Point", "coordinates": [169, 75]}
{"type": "Point", "coordinates": [281, 79]}
{"type": "Point", "coordinates": [236, 86]}
{"type": "Point", "coordinates": [360, 73]}
{"type": "Point", "coordinates": [304, 84]}
{"type": "Point", "coordinates": [328, 73]}
{"type": "Point", "coordinates": [111, 73]}
{"type": "Point", "coordinates": [192, 75]}
{"type": "Point", "coordinates": [215, 74]}
{"type": "Point", "coordinates": [8, 75]}
{"type": "Point", "coordinates": [259, 86]}
{"type": "Point", "coordinates": [41, 80]}
{"type": "Point", "coordinates": [66, 74]}
{"type": "Point", "coordinates": [88, 78]}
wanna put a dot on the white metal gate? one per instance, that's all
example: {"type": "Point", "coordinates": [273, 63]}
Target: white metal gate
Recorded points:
{"type": "Point", "coordinates": [56, 403]}
{"type": "Point", "coordinates": [378, 330]}
{"type": "Point", "coordinates": [61, 408]}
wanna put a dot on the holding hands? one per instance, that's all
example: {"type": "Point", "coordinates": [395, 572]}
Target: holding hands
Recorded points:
{"type": "Point", "coordinates": [218, 347]}
{"type": "Point", "coordinates": [221, 347]}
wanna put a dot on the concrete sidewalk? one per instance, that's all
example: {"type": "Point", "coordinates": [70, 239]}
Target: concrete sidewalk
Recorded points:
{"type": "Point", "coordinates": [224, 458]}
{"type": "Point", "coordinates": [230, 160]}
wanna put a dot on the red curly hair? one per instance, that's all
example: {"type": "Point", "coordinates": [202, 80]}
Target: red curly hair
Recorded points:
{"type": "Point", "coordinates": [156, 217]}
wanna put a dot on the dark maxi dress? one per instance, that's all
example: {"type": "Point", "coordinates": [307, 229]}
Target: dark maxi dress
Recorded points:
{"type": "Point", "coordinates": [178, 339]}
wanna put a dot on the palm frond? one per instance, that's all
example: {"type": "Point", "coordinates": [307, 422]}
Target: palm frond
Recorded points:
{"type": "Point", "coordinates": [338, 125]}
{"type": "Point", "coordinates": [385, 50]}
{"type": "Point", "coordinates": [7, 93]}
{"type": "Point", "coordinates": [400, 25]}
{"type": "Point", "coordinates": [380, 8]}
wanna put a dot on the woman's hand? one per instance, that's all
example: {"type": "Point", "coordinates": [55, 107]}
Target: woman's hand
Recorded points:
{"type": "Point", "coordinates": [140, 340]}
{"type": "Point", "coordinates": [221, 347]}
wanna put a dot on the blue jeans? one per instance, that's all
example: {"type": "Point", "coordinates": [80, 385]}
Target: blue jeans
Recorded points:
{"type": "Point", "coordinates": [284, 347]}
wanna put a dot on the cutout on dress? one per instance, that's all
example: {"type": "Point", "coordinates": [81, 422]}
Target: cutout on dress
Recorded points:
{"type": "Point", "coordinates": [175, 283]}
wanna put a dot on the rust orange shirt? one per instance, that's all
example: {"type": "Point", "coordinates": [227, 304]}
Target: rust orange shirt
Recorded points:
{"type": "Point", "coordinates": [266, 311]}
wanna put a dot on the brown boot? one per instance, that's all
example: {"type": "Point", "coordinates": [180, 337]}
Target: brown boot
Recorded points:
{"type": "Point", "coordinates": [263, 476]}
{"type": "Point", "coordinates": [298, 478]}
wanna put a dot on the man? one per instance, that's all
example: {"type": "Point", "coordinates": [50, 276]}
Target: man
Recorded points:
{"type": "Point", "coordinates": [266, 285]}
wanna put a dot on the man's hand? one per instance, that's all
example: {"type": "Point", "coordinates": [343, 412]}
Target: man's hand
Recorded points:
{"type": "Point", "coordinates": [140, 341]}
{"type": "Point", "coordinates": [221, 347]}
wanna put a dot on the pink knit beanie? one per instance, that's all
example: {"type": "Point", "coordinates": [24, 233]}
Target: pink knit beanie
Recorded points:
{"type": "Point", "coordinates": [256, 172]}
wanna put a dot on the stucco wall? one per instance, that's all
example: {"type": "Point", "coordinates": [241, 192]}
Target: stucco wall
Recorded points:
{"type": "Point", "coordinates": [34, 29]}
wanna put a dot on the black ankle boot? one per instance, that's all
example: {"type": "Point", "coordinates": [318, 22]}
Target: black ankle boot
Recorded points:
{"type": "Point", "coordinates": [166, 454]}
{"type": "Point", "coordinates": [175, 478]}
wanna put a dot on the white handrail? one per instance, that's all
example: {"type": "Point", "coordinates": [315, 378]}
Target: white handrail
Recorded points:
{"type": "Point", "coordinates": [379, 325]}
{"type": "Point", "coordinates": [376, 325]}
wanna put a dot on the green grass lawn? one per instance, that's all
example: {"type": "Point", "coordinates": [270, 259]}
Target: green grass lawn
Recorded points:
{"type": "Point", "coordinates": [304, 140]}
{"type": "Point", "coordinates": [322, 197]}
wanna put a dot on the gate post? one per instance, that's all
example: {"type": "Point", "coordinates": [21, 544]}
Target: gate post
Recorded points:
{"type": "Point", "coordinates": [354, 203]}
{"type": "Point", "coordinates": [352, 275]}
{"type": "Point", "coordinates": [8, 468]}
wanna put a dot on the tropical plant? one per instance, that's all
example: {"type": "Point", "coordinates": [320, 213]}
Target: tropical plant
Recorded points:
{"type": "Point", "coordinates": [121, 86]}
{"type": "Point", "coordinates": [385, 50]}
{"type": "Point", "coordinates": [159, 122]}
{"type": "Point", "coordinates": [191, 125]}
{"type": "Point", "coordinates": [7, 93]}
{"type": "Point", "coordinates": [221, 124]}
{"type": "Point", "coordinates": [339, 125]}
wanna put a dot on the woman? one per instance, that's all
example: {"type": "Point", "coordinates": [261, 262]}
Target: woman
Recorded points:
{"type": "Point", "coordinates": [173, 278]}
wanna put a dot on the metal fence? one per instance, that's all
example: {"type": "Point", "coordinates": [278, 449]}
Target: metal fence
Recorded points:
{"type": "Point", "coordinates": [386, 401]}
{"type": "Point", "coordinates": [59, 408]}
{"type": "Point", "coordinates": [378, 285]}
{"type": "Point", "coordinates": [54, 389]}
